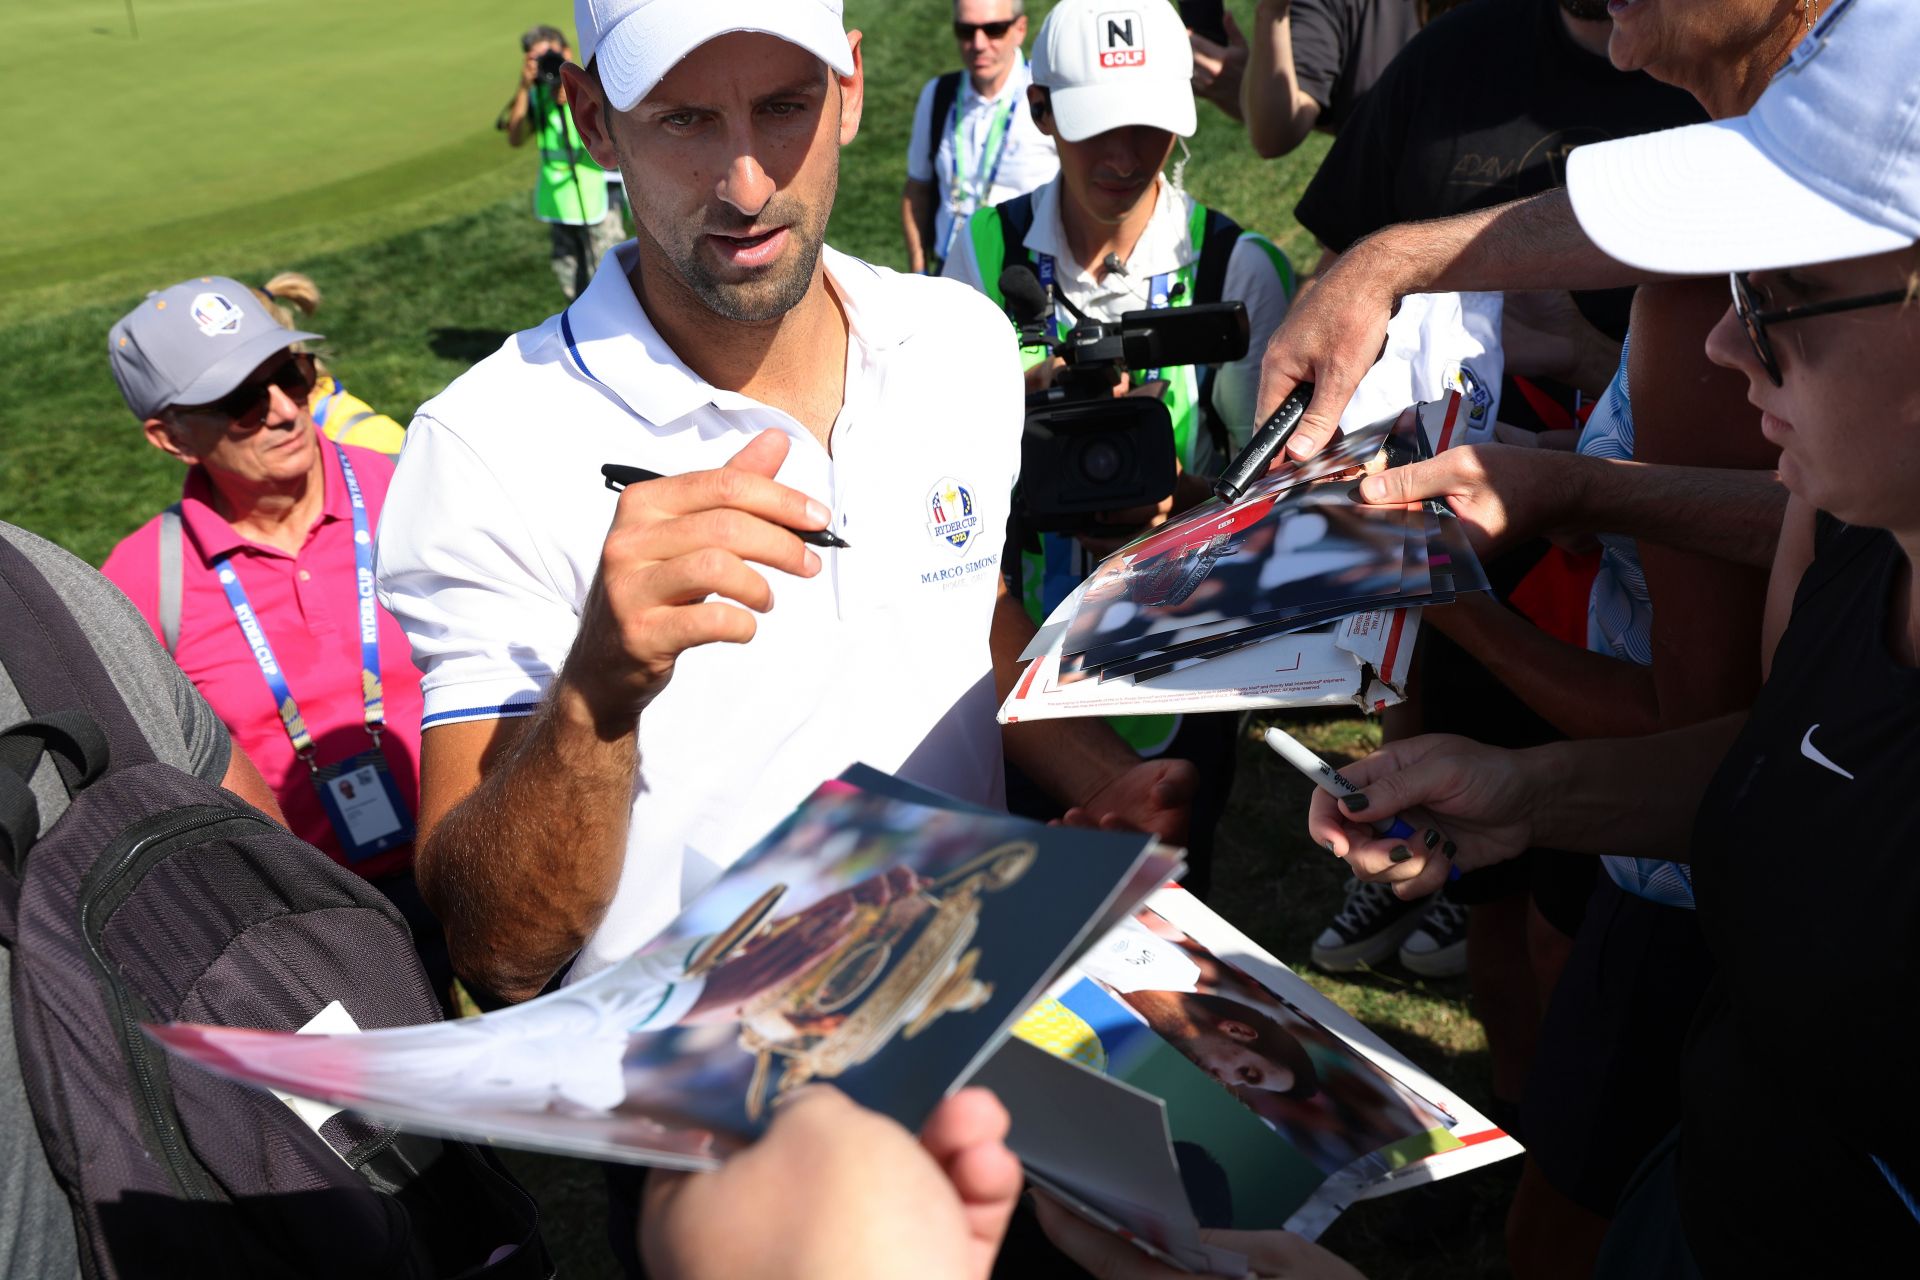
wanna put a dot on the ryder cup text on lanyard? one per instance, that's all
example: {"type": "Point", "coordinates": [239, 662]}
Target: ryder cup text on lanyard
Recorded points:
{"type": "Point", "coordinates": [370, 686]}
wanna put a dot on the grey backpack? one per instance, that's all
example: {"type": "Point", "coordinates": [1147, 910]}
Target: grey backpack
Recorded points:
{"type": "Point", "coordinates": [158, 896]}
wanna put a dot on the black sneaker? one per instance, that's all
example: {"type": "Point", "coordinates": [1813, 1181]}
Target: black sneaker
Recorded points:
{"type": "Point", "coordinates": [1438, 948]}
{"type": "Point", "coordinates": [1370, 927]}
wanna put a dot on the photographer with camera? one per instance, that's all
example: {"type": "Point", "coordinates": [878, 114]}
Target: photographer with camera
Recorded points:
{"type": "Point", "coordinates": [1111, 237]}
{"type": "Point", "coordinates": [571, 193]}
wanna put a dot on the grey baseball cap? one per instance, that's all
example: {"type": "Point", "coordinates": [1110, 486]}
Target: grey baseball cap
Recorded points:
{"type": "Point", "coordinates": [192, 344]}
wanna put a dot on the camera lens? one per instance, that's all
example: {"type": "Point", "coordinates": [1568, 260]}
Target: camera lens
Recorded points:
{"type": "Point", "coordinates": [1100, 462]}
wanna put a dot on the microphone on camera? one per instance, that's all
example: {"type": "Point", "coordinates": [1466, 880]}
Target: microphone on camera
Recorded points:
{"type": "Point", "coordinates": [1026, 296]}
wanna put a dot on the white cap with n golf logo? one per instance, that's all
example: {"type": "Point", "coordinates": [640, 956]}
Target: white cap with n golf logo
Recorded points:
{"type": "Point", "coordinates": [1108, 64]}
{"type": "Point", "coordinates": [192, 344]}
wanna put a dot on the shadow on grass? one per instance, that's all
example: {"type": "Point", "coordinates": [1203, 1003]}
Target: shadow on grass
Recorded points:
{"type": "Point", "coordinates": [468, 346]}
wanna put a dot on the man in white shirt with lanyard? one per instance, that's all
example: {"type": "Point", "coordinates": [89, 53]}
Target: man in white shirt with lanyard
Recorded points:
{"type": "Point", "coordinates": [615, 715]}
{"type": "Point", "coordinates": [974, 143]}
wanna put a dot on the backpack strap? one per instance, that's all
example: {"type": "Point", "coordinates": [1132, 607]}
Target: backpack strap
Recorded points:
{"type": "Point", "coordinates": [172, 573]}
{"type": "Point", "coordinates": [1016, 219]}
{"type": "Point", "coordinates": [946, 90]}
{"type": "Point", "coordinates": [1218, 238]}
{"type": "Point", "coordinates": [1217, 243]}
{"type": "Point", "coordinates": [53, 663]}
{"type": "Point", "coordinates": [79, 750]}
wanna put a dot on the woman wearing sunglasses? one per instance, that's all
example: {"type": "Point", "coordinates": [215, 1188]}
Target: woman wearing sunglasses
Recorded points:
{"type": "Point", "coordinates": [1796, 1149]}
{"type": "Point", "coordinates": [259, 580]}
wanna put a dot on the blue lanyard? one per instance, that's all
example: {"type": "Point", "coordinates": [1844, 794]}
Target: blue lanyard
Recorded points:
{"type": "Point", "coordinates": [1159, 295]}
{"type": "Point", "coordinates": [982, 188]}
{"type": "Point", "coordinates": [370, 689]}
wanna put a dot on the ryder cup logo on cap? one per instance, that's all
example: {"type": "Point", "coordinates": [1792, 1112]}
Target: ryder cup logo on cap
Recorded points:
{"type": "Point", "coordinates": [215, 315]}
{"type": "Point", "coordinates": [633, 44]}
{"type": "Point", "coordinates": [1119, 37]}
{"type": "Point", "coordinates": [1826, 165]}
{"type": "Point", "coordinates": [160, 354]}
{"type": "Point", "coordinates": [1106, 68]}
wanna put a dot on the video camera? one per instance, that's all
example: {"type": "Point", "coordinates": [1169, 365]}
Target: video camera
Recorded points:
{"type": "Point", "coordinates": [1084, 449]}
{"type": "Point", "coordinates": [546, 70]}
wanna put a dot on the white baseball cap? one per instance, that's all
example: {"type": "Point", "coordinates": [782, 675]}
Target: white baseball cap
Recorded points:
{"type": "Point", "coordinates": [636, 42]}
{"type": "Point", "coordinates": [1112, 63]}
{"type": "Point", "coordinates": [1826, 166]}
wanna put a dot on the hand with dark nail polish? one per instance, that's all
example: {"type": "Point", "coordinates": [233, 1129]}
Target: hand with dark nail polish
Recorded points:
{"type": "Point", "coordinates": [1449, 848]}
{"type": "Point", "coordinates": [1399, 853]}
{"type": "Point", "coordinates": [1432, 837]}
{"type": "Point", "coordinates": [1355, 802]}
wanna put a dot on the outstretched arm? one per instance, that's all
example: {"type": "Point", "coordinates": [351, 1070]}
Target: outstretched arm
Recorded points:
{"type": "Point", "coordinates": [1633, 796]}
{"type": "Point", "coordinates": [1278, 112]}
{"type": "Point", "coordinates": [1335, 330]}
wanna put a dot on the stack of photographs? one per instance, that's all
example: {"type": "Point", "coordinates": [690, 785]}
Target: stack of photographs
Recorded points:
{"type": "Point", "coordinates": [881, 939]}
{"type": "Point", "coordinates": [1297, 553]}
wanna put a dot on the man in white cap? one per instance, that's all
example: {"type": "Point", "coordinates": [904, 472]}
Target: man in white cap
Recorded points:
{"type": "Point", "coordinates": [1112, 234]}
{"type": "Point", "coordinates": [613, 716]}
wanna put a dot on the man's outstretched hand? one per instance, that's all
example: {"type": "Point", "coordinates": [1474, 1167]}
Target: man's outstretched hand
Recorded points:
{"type": "Point", "coordinates": [834, 1190]}
{"type": "Point", "coordinates": [1332, 335]}
{"type": "Point", "coordinates": [1155, 796]}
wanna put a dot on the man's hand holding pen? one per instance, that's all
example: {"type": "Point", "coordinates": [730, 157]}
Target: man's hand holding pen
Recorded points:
{"type": "Point", "coordinates": [676, 541]}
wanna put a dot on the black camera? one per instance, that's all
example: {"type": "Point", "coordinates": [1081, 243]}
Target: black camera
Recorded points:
{"type": "Point", "coordinates": [546, 70]}
{"type": "Point", "coordinates": [1084, 449]}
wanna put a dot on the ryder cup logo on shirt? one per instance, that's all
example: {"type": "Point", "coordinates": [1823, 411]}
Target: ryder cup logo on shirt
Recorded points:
{"type": "Point", "coordinates": [215, 315]}
{"type": "Point", "coordinates": [1119, 39]}
{"type": "Point", "coordinates": [951, 515]}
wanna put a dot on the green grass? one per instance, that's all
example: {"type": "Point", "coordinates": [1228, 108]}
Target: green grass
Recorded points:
{"type": "Point", "coordinates": [354, 142]}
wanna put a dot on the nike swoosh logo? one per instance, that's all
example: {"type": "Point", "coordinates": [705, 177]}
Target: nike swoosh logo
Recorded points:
{"type": "Point", "coordinates": [1814, 754]}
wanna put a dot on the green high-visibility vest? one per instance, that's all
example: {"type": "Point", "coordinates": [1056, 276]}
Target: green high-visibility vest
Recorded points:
{"type": "Point", "coordinates": [572, 187]}
{"type": "Point", "coordinates": [992, 232]}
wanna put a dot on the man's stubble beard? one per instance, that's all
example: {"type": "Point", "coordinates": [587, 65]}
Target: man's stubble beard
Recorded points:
{"type": "Point", "coordinates": [773, 295]}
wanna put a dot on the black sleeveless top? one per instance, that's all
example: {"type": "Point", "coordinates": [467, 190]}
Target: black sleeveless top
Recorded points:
{"type": "Point", "coordinates": [1801, 1077]}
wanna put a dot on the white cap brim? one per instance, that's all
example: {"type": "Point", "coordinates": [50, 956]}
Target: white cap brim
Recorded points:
{"type": "Point", "coordinates": [1707, 199]}
{"type": "Point", "coordinates": [649, 42]}
{"type": "Point", "coordinates": [1081, 111]}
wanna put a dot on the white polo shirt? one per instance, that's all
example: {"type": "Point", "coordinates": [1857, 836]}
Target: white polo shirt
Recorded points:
{"type": "Point", "coordinates": [497, 514]}
{"type": "Point", "coordinates": [965, 175]}
{"type": "Point", "coordinates": [1164, 247]}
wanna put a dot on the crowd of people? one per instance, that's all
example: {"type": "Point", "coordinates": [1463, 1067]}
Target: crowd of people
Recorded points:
{"type": "Point", "coordinates": [1664, 753]}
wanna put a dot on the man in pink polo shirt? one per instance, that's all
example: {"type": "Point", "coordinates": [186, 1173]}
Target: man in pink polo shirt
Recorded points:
{"type": "Point", "coordinates": [260, 579]}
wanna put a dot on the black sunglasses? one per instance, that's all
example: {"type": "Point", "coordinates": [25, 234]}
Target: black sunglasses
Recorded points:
{"type": "Point", "coordinates": [245, 407]}
{"type": "Point", "coordinates": [994, 30]}
{"type": "Point", "coordinates": [1748, 304]}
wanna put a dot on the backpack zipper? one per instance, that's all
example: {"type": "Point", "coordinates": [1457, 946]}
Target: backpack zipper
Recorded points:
{"type": "Point", "coordinates": [102, 888]}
